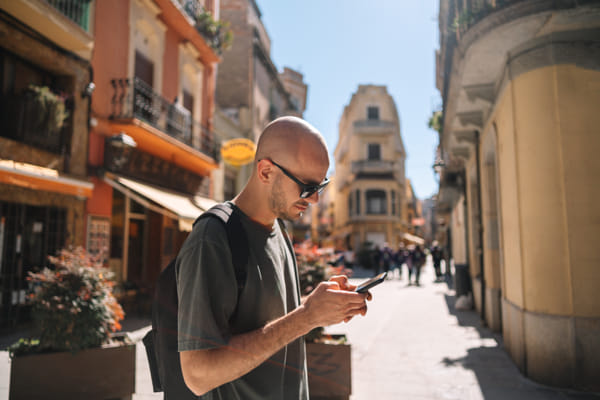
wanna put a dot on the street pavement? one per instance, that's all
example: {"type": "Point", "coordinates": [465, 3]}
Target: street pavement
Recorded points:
{"type": "Point", "coordinates": [412, 344]}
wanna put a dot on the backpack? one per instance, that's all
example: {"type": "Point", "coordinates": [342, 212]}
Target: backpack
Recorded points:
{"type": "Point", "coordinates": [161, 341]}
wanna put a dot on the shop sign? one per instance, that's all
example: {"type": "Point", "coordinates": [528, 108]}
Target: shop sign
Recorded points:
{"type": "Point", "coordinates": [238, 152]}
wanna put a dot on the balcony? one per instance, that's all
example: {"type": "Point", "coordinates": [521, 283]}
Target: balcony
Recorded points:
{"type": "Point", "coordinates": [373, 126]}
{"type": "Point", "coordinates": [191, 7]}
{"type": "Point", "coordinates": [134, 99]}
{"type": "Point", "coordinates": [373, 167]}
{"type": "Point", "coordinates": [471, 14]}
{"type": "Point", "coordinates": [77, 11]}
{"type": "Point", "coordinates": [27, 119]}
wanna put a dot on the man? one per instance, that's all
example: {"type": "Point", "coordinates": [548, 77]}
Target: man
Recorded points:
{"type": "Point", "coordinates": [251, 347]}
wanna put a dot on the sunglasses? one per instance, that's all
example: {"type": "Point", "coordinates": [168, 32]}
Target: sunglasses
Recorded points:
{"type": "Point", "coordinates": [305, 190]}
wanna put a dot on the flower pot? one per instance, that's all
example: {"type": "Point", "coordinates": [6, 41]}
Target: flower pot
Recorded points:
{"type": "Point", "coordinates": [329, 371]}
{"type": "Point", "coordinates": [92, 374]}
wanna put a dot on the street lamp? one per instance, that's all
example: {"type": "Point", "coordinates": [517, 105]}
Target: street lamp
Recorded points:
{"type": "Point", "coordinates": [438, 167]}
{"type": "Point", "coordinates": [119, 148]}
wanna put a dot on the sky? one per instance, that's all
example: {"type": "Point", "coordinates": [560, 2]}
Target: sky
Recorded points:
{"type": "Point", "coordinates": [340, 44]}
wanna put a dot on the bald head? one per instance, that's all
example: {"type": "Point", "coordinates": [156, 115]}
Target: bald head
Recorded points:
{"type": "Point", "coordinates": [294, 140]}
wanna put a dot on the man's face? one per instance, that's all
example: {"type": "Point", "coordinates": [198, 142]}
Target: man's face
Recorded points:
{"type": "Point", "coordinates": [285, 200]}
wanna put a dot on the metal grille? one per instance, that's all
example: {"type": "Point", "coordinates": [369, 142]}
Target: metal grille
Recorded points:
{"type": "Point", "coordinates": [77, 11]}
{"type": "Point", "coordinates": [28, 234]}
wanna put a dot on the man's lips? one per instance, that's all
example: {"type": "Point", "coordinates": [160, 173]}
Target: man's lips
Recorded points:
{"type": "Point", "coordinates": [302, 207]}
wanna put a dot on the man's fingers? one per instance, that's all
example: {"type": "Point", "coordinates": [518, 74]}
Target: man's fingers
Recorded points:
{"type": "Point", "coordinates": [342, 280]}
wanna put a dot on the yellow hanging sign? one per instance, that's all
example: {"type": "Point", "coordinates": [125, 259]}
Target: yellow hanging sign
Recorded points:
{"type": "Point", "coordinates": [238, 152]}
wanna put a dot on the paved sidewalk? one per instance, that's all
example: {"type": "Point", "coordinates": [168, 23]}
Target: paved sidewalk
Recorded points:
{"type": "Point", "coordinates": [412, 345]}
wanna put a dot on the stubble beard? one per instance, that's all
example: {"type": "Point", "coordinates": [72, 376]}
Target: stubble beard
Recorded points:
{"type": "Point", "coordinates": [279, 205]}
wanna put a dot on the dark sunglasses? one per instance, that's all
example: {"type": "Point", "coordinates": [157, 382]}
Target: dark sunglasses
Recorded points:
{"type": "Point", "coordinates": [305, 190]}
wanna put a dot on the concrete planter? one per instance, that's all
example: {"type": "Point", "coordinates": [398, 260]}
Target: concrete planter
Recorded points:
{"type": "Point", "coordinates": [93, 374]}
{"type": "Point", "coordinates": [329, 371]}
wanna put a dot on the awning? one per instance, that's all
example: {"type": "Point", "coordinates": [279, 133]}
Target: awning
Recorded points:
{"type": "Point", "coordinates": [412, 238]}
{"type": "Point", "coordinates": [41, 178]}
{"type": "Point", "coordinates": [175, 205]}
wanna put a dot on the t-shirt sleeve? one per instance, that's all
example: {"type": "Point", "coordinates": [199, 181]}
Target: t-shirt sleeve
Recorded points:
{"type": "Point", "coordinates": [206, 287]}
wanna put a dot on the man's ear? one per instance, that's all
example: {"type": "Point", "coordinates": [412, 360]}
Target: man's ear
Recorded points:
{"type": "Point", "coordinates": [264, 170]}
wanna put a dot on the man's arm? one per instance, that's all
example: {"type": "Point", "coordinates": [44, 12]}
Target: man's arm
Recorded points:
{"type": "Point", "coordinates": [204, 370]}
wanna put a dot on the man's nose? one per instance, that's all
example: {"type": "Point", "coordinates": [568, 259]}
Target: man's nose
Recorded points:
{"type": "Point", "coordinates": [313, 198]}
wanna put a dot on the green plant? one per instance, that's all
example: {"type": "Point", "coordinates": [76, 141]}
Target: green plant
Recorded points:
{"type": "Point", "coordinates": [51, 109]}
{"type": "Point", "coordinates": [436, 121]}
{"type": "Point", "coordinates": [73, 306]}
{"type": "Point", "coordinates": [217, 33]}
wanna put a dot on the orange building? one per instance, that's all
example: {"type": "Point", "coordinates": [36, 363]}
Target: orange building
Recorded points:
{"type": "Point", "coordinates": [151, 146]}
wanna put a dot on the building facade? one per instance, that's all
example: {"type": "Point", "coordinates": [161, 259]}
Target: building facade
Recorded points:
{"type": "Point", "coordinates": [250, 91]}
{"type": "Point", "coordinates": [519, 82]}
{"type": "Point", "coordinates": [152, 146]}
{"type": "Point", "coordinates": [45, 55]}
{"type": "Point", "coordinates": [370, 180]}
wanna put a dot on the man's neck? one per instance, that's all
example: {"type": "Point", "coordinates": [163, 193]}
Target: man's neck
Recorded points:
{"type": "Point", "coordinates": [254, 207]}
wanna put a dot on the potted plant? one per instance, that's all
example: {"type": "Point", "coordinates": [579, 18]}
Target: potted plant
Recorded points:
{"type": "Point", "coordinates": [217, 33]}
{"type": "Point", "coordinates": [73, 352]}
{"type": "Point", "coordinates": [328, 356]}
{"type": "Point", "coordinates": [51, 109]}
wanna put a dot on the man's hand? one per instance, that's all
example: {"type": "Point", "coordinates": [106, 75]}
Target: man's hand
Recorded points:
{"type": "Point", "coordinates": [344, 283]}
{"type": "Point", "coordinates": [335, 301]}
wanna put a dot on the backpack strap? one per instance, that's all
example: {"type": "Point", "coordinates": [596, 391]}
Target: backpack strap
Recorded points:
{"type": "Point", "coordinates": [228, 213]}
{"type": "Point", "coordinates": [290, 246]}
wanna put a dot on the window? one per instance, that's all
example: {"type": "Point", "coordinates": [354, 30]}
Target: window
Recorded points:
{"type": "Point", "coordinates": [393, 202]}
{"type": "Point", "coordinates": [144, 68]}
{"type": "Point", "coordinates": [357, 202]}
{"type": "Point", "coordinates": [350, 205]}
{"type": "Point", "coordinates": [376, 202]}
{"type": "Point", "coordinates": [373, 113]}
{"type": "Point", "coordinates": [188, 101]}
{"type": "Point", "coordinates": [374, 151]}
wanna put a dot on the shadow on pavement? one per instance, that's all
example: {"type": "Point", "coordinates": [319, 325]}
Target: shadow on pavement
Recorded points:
{"type": "Point", "coordinates": [498, 377]}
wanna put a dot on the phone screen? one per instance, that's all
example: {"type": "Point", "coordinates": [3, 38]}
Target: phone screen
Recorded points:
{"type": "Point", "coordinates": [376, 280]}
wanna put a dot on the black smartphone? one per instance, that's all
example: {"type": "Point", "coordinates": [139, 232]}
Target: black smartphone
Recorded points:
{"type": "Point", "coordinates": [376, 280]}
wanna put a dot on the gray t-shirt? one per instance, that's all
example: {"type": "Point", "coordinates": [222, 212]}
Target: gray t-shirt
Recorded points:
{"type": "Point", "coordinates": [210, 311]}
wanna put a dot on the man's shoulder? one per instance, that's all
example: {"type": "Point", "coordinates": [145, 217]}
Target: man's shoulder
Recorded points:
{"type": "Point", "coordinates": [209, 229]}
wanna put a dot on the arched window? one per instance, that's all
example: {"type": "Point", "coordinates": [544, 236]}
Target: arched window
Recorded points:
{"type": "Point", "coordinates": [376, 202]}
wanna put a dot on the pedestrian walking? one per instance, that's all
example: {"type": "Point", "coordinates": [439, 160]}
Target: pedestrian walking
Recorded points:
{"type": "Point", "coordinates": [418, 259]}
{"type": "Point", "coordinates": [398, 259]}
{"type": "Point", "coordinates": [408, 260]}
{"type": "Point", "coordinates": [376, 256]}
{"type": "Point", "coordinates": [437, 255]}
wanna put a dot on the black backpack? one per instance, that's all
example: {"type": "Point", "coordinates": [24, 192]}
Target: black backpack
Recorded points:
{"type": "Point", "coordinates": [161, 341]}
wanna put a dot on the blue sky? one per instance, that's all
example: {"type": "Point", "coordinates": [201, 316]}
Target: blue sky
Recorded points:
{"type": "Point", "coordinates": [339, 44]}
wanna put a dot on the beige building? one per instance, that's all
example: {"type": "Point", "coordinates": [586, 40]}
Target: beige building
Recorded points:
{"type": "Point", "coordinates": [369, 179]}
{"type": "Point", "coordinates": [521, 92]}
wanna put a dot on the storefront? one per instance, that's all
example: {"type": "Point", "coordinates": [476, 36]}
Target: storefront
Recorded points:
{"type": "Point", "coordinates": [40, 213]}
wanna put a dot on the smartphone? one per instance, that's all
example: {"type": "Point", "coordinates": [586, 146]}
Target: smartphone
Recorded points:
{"type": "Point", "coordinates": [376, 280]}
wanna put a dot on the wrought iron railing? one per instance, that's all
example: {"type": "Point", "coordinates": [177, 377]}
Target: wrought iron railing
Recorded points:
{"type": "Point", "coordinates": [373, 123]}
{"type": "Point", "coordinates": [472, 13]}
{"type": "Point", "coordinates": [191, 7]}
{"type": "Point", "coordinates": [133, 98]}
{"type": "Point", "coordinates": [77, 11]}
{"type": "Point", "coordinates": [372, 166]}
